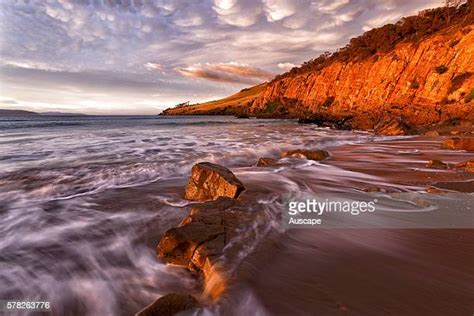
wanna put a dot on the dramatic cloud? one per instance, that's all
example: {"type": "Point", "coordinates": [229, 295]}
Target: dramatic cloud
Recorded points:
{"type": "Point", "coordinates": [286, 66]}
{"type": "Point", "coordinates": [226, 72]}
{"type": "Point", "coordinates": [105, 56]}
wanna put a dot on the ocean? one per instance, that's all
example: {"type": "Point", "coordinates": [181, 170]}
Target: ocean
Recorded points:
{"type": "Point", "coordinates": [84, 201]}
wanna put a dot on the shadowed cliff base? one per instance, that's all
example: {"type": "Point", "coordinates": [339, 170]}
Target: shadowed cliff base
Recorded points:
{"type": "Point", "coordinates": [405, 78]}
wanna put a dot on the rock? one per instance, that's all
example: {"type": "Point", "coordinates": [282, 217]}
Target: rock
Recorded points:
{"type": "Point", "coordinates": [459, 186]}
{"type": "Point", "coordinates": [432, 134]}
{"type": "Point", "coordinates": [265, 162]}
{"type": "Point", "coordinates": [209, 181]}
{"type": "Point", "coordinates": [434, 190]}
{"type": "Point", "coordinates": [306, 154]}
{"type": "Point", "coordinates": [467, 166]}
{"type": "Point", "coordinates": [460, 143]}
{"type": "Point", "coordinates": [169, 305]}
{"type": "Point", "coordinates": [200, 239]}
{"type": "Point", "coordinates": [204, 233]}
{"type": "Point", "coordinates": [178, 245]}
{"type": "Point", "coordinates": [392, 127]}
{"type": "Point", "coordinates": [437, 164]}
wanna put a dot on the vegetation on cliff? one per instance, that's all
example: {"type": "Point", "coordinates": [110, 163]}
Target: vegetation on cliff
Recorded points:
{"type": "Point", "coordinates": [381, 40]}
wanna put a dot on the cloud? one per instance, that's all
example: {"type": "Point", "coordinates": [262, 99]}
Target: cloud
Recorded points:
{"type": "Point", "coordinates": [134, 44]}
{"type": "Point", "coordinates": [286, 66]}
{"type": "Point", "coordinates": [8, 101]}
{"type": "Point", "coordinates": [277, 10]}
{"type": "Point", "coordinates": [241, 13]}
{"type": "Point", "coordinates": [226, 72]}
{"type": "Point", "coordinates": [154, 66]}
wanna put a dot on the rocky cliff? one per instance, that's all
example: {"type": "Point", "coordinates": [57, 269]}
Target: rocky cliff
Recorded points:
{"type": "Point", "coordinates": [416, 73]}
{"type": "Point", "coordinates": [426, 83]}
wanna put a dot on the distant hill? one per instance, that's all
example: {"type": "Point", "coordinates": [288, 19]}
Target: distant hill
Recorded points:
{"type": "Point", "coordinates": [52, 113]}
{"type": "Point", "coordinates": [5, 112]}
{"type": "Point", "coordinates": [17, 113]}
{"type": "Point", "coordinates": [237, 103]}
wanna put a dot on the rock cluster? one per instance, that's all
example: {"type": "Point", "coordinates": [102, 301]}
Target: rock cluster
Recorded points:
{"type": "Point", "coordinates": [467, 166]}
{"type": "Point", "coordinates": [460, 143]}
{"type": "Point", "coordinates": [199, 240]}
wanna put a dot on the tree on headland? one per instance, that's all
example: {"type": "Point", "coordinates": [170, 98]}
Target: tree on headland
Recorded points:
{"type": "Point", "coordinates": [449, 4]}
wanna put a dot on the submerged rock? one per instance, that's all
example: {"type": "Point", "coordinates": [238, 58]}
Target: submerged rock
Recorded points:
{"type": "Point", "coordinates": [460, 143]}
{"type": "Point", "coordinates": [437, 164]}
{"type": "Point", "coordinates": [306, 154]}
{"type": "Point", "coordinates": [210, 181]}
{"type": "Point", "coordinates": [169, 305]}
{"type": "Point", "coordinates": [458, 186]}
{"type": "Point", "coordinates": [266, 161]}
{"type": "Point", "coordinates": [467, 166]}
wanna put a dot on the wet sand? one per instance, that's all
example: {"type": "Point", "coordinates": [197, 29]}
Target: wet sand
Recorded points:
{"type": "Point", "coordinates": [364, 272]}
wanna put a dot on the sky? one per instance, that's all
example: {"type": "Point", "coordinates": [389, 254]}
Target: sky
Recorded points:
{"type": "Point", "coordinates": [142, 56]}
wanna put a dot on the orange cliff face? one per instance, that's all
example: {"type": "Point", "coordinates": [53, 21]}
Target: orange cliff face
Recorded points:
{"type": "Point", "coordinates": [429, 82]}
{"type": "Point", "coordinates": [412, 76]}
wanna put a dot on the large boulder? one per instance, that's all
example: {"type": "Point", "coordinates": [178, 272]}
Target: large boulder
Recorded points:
{"type": "Point", "coordinates": [209, 181]}
{"type": "Point", "coordinates": [169, 305]}
{"type": "Point", "coordinates": [306, 154]}
{"type": "Point", "coordinates": [460, 143]}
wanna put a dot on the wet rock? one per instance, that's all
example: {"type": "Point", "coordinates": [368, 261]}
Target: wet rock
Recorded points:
{"type": "Point", "coordinates": [459, 186]}
{"type": "Point", "coordinates": [179, 244]}
{"type": "Point", "coordinates": [203, 234]}
{"type": "Point", "coordinates": [306, 154]}
{"type": "Point", "coordinates": [392, 127]}
{"type": "Point", "coordinates": [467, 166]}
{"type": "Point", "coordinates": [432, 134]}
{"type": "Point", "coordinates": [209, 181]}
{"type": "Point", "coordinates": [460, 143]}
{"type": "Point", "coordinates": [437, 164]}
{"type": "Point", "coordinates": [265, 162]}
{"type": "Point", "coordinates": [435, 190]}
{"type": "Point", "coordinates": [200, 239]}
{"type": "Point", "coordinates": [169, 305]}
